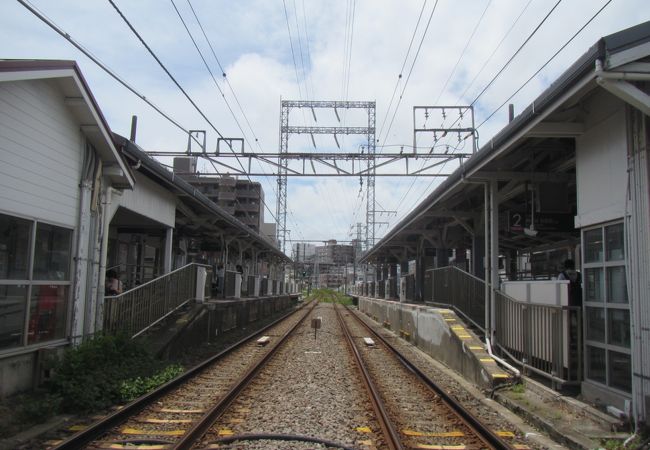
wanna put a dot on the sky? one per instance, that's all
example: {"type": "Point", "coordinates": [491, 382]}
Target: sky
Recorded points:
{"type": "Point", "coordinates": [399, 54]}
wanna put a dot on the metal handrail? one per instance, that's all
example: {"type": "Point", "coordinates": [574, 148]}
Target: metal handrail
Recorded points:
{"type": "Point", "coordinates": [143, 285]}
{"type": "Point", "coordinates": [138, 308]}
{"type": "Point", "coordinates": [535, 336]}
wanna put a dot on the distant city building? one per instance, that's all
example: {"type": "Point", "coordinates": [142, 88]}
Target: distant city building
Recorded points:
{"type": "Point", "coordinates": [303, 252]}
{"type": "Point", "coordinates": [333, 253]}
{"type": "Point", "coordinates": [332, 263]}
{"type": "Point", "coordinates": [243, 199]}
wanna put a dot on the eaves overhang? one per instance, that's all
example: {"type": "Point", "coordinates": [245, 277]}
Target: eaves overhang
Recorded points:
{"type": "Point", "coordinates": [612, 50]}
{"type": "Point", "coordinates": [181, 187]}
{"type": "Point", "coordinates": [79, 99]}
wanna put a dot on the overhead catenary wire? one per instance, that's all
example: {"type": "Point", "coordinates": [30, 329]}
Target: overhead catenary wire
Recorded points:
{"type": "Point", "coordinates": [415, 58]}
{"type": "Point", "coordinates": [496, 48]}
{"type": "Point", "coordinates": [589, 21]}
{"type": "Point", "coordinates": [160, 63]}
{"type": "Point", "coordinates": [102, 65]}
{"type": "Point", "coordinates": [207, 66]}
{"type": "Point", "coordinates": [462, 53]}
{"type": "Point", "coordinates": [444, 87]}
{"type": "Point", "coordinates": [514, 55]}
{"type": "Point", "coordinates": [401, 71]}
{"type": "Point", "coordinates": [187, 96]}
{"type": "Point", "coordinates": [546, 63]}
{"type": "Point", "coordinates": [234, 94]}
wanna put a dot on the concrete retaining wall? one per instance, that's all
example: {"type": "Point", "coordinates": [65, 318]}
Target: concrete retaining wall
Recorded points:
{"type": "Point", "coordinates": [218, 317]}
{"type": "Point", "coordinates": [440, 334]}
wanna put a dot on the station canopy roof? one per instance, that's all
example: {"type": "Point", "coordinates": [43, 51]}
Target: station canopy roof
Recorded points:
{"type": "Point", "coordinates": [532, 159]}
{"type": "Point", "coordinates": [199, 216]}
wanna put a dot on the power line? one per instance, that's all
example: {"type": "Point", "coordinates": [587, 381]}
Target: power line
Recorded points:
{"type": "Point", "coordinates": [293, 54]}
{"type": "Point", "coordinates": [232, 90]}
{"type": "Point", "coordinates": [514, 55]}
{"type": "Point", "coordinates": [460, 57]}
{"type": "Point", "coordinates": [417, 53]}
{"type": "Point", "coordinates": [152, 53]}
{"type": "Point", "coordinates": [207, 66]}
{"type": "Point", "coordinates": [348, 60]}
{"type": "Point", "coordinates": [489, 58]}
{"type": "Point", "coordinates": [309, 61]}
{"type": "Point", "coordinates": [171, 77]}
{"type": "Point", "coordinates": [469, 40]}
{"type": "Point", "coordinates": [101, 65]}
{"type": "Point", "coordinates": [547, 62]}
{"type": "Point", "coordinates": [399, 76]}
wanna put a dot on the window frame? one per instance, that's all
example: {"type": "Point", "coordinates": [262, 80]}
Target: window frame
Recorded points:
{"type": "Point", "coordinates": [30, 282]}
{"type": "Point", "coordinates": [606, 305]}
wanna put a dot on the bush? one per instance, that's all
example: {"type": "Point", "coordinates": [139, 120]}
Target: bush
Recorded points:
{"type": "Point", "coordinates": [89, 376]}
{"type": "Point", "coordinates": [37, 407]}
{"type": "Point", "coordinates": [134, 388]}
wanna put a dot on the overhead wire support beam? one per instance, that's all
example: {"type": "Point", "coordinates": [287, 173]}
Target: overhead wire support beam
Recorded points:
{"type": "Point", "coordinates": [283, 157]}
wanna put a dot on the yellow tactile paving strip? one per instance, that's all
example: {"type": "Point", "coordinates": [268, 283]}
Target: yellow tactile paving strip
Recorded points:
{"type": "Point", "coordinates": [473, 344]}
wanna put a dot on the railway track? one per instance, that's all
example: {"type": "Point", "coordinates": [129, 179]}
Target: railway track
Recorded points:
{"type": "Point", "coordinates": [300, 391]}
{"type": "Point", "coordinates": [166, 417]}
{"type": "Point", "coordinates": [416, 412]}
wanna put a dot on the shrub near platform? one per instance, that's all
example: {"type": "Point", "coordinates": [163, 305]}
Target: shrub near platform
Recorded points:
{"type": "Point", "coordinates": [89, 377]}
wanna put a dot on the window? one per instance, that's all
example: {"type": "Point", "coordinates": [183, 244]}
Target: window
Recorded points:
{"type": "Point", "coordinates": [52, 253]}
{"type": "Point", "coordinates": [34, 281]}
{"type": "Point", "coordinates": [607, 313]}
{"type": "Point", "coordinates": [595, 324]}
{"type": "Point", "coordinates": [14, 247]}
{"type": "Point", "coordinates": [596, 364]}
{"type": "Point", "coordinates": [12, 315]}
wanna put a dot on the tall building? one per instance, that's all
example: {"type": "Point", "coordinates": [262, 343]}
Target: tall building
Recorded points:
{"type": "Point", "coordinates": [242, 198]}
{"type": "Point", "coordinates": [303, 252]}
{"type": "Point", "coordinates": [333, 253]}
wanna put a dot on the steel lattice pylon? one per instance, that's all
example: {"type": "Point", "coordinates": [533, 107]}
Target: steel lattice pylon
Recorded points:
{"type": "Point", "coordinates": [286, 130]}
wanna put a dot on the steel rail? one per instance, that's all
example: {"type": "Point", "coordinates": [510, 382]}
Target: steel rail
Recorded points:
{"type": "Point", "coordinates": [473, 423]}
{"type": "Point", "coordinates": [187, 441]}
{"type": "Point", "coordinates": [390, 433]}
{"type": "Point", "coordinates": [101, 427]}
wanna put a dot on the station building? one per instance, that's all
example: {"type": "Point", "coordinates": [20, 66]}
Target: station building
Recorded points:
{"type": "Point", "coordinates": [567, 178]}
{"type": "Point", "coordinates": [76, 201]}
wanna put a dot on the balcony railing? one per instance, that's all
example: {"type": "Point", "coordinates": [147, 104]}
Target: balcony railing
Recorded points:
{"type": "Point", "coordinates": [139, 308]}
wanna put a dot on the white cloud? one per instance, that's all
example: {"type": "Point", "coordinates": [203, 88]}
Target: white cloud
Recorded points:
{"type": "Point", "coordinates": [251, 41]}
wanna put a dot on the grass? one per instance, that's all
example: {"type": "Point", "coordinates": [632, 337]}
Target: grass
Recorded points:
{"type": "Point", "coordinates": [329, 296]}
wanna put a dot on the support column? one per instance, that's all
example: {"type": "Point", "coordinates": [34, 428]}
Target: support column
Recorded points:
{"type": "Point", "coordinates": [442, 257]}
{"type": "Point", "coordinates": [168, 256]}
{"type": "Point", "coordinates": [494, 251]}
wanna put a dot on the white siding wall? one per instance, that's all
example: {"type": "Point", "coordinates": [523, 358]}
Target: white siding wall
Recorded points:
{"type": "Point", "coordinates": [150, 200]}
{"type": "Point", "coordinates": [601, 163]}
{"type": "Point", "coordinates": [40, 153]}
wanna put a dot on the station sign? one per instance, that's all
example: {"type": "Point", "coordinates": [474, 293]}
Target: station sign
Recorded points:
{"type": "Point", "coordinates": [544, 221]}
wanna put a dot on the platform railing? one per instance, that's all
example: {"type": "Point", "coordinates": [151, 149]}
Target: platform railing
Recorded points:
{"type": "Point", "coordinates": [544, 339]}
{"type": "Point", "coordinates": [138, 308]}
{"type": "Point", "coordinates": [461, 290]}
{"type": "Point", "coordinates": [540, 338]}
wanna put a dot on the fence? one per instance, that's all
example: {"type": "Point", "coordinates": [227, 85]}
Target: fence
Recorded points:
{"type": "Point", "coordinates": [139, 308]}
{"type": "Point", "coordinates": [465, 292]}
{"type": "Point", "coordinates": [545, 339]}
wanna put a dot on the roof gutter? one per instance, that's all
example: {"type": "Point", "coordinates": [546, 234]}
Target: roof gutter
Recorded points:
{"type": "Point", "coordinates": [178, 183]}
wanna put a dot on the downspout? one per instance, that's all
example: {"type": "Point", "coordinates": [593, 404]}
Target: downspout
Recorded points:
{"type": "Point", "coordinates": [488, 348]}
{"type": "Point", "coordinates": [486, 257]}
{"type": "Point", "coordinates": [79, 300]}
{"type": "Point", "coordinates": [103, 254]}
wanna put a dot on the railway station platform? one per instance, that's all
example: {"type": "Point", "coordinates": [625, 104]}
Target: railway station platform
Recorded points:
{"type": "Point", "coordinates": [206, 322]}
{"type": "Point", "coordinates": [441, 334]}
